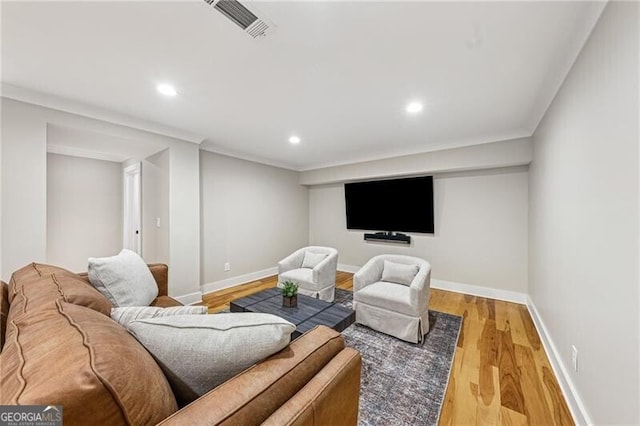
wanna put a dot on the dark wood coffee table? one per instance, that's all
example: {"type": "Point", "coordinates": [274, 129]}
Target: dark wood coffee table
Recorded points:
{"type": "Point", "coordinates": [309, 313]}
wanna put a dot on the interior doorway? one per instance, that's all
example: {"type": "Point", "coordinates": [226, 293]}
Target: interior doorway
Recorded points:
{"type": "Point", "coordinates": [132, 237]}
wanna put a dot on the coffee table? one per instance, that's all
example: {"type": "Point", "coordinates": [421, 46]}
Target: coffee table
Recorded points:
{"type": "Point", "coordinates": [309, 313]}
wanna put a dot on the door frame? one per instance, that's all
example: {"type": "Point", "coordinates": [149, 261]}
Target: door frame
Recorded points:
{"type": "Point", "coordinates": [132, 208]}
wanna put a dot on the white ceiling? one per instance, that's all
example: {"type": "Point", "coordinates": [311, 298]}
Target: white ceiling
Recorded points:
{"type": "Point", "coordinates": [338, 74]}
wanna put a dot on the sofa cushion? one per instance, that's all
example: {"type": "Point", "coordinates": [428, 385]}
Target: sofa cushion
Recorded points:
{"type": "Point", "coordinates": [125, 315]}
{"type": "Point", "coordinates": [73, 356]}
{"type": "Point", "coordinates": [124, 279]}
{"type": "Point", "coordinates": [399, 273]}
{"type": "Point", "coordinates": [35, 294]}
{"type": "Point", "coordinates": [389, 296]}
{"type": "Point", "coordinates": [301, 275]}
{"type": "Point", "coordinates": [33, 271]}
{"type": "Point", "coordinates": [311, 260]}
{"type": "Point", "coordinates": [199, 352]}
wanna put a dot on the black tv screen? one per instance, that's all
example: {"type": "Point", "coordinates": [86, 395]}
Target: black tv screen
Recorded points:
{"type": "Point", "coordinates": [404, 205]}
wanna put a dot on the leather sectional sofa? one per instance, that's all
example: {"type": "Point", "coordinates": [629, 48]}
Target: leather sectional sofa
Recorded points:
{"type": "Point", "coordinates": [60, 347]}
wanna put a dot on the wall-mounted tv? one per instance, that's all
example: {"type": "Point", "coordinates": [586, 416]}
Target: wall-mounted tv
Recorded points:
{"type": "Point", "coordinates": [404, 205]}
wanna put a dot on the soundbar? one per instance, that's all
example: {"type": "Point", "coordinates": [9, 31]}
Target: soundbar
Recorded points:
{"type": "Point", "coordinates": [388, 237]}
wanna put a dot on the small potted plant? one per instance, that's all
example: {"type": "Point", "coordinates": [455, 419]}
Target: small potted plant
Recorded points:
{"type": "Point", "coordinates": [289, 294]}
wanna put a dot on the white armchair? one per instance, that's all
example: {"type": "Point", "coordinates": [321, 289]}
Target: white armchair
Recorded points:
{"type": "Point", "coordinates": [313, 269]}
{"type": "Point", "coordinates": [398, 308]}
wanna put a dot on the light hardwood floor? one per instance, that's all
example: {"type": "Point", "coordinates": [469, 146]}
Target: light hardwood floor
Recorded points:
{"type": "Point", "coordinates": [500, 373]}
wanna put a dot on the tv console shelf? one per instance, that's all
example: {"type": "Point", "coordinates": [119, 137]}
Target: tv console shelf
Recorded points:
{"type": "Point", "coordinates": [388, 237]}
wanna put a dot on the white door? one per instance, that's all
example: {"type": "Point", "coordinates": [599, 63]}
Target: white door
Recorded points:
{"type": "Point", "coordinates": [132, 209]}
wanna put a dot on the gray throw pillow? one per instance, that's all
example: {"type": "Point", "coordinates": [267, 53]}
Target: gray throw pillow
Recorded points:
{"type": "Point", "coordinates": [199, 352]}
{"type": "Point", "coordinates": [124, 279]}
{"type": "Point", "coordinates": [311, 260]}
{"type": "Point", "coordinates": [399, 273]}
{"type": "Point", "coordinates": [125, 315]}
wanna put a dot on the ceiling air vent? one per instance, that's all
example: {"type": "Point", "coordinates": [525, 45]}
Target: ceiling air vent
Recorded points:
{"type": "Point", "coordinates": [253, 25]}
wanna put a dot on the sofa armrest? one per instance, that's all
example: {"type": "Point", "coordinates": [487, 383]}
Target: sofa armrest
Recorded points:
{"type": "Point", "coordinates": [165, 302]}
{"type": "Point", "coordinates": [331, 398]}
{"type": "Point", "coordinates": [370, 273]}
{"type": "Point", "coordinates": [293, 261]}
{"type": "Point", "coordinates": [420, 287]}
{"type": "Point", "coordinates": [160, 273]}
{"type": "Point", "coordinates": [324, 272]}
{"type": "Point", "coordinates": [255, 394]}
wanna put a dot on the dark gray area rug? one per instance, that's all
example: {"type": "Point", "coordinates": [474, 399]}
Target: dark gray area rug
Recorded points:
{"type": "Point", "coordinates": [403, 383]}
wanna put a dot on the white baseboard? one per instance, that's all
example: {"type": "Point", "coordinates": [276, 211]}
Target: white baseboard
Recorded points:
{"type": "Point", "coordinates": [471, 289]}
{"type": "Point", "coordinates": [476, 290]}
{"type": "Point", "coordinates": [190, 299]}
{"type": "Point", "coordinates": [575, 403]}
{"type": "Point", "coordinates": [240, 279]}
{"type": "Point", "coordinates": [348, 268]}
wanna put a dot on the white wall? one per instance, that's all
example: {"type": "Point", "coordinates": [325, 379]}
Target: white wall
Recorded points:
{"type": "Point", "coordinates": [480, 229]}
{"type": "Point", "coordinates": [184, 222]}
{"type": "Point", "coordinates": [24, 187]}
{"type": "Point", "coordinates": [155, 205]}
{"type": "Point", "coordinates": [253, 215]}
{"type": "Point", "coordinates": [584, 220]}
{"type": "Point", "coordinates": [84, 210]}
{"type": "Point", "coordinates": [0, 181]}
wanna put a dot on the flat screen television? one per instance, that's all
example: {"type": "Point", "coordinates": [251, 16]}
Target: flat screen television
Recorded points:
{"type": "Point", "coordinates": [404, 205]}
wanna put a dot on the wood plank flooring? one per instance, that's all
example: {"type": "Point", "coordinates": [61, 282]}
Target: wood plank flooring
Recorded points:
{"type": "Point", "coordinates": [500, 375]}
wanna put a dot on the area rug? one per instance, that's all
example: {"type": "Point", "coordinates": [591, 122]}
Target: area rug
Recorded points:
{"type": "Point", "coordinates": [403, 383]}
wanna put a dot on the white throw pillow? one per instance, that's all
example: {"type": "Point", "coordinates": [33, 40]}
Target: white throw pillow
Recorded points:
{"type": "Point", "coordinates": [125, 315]}
{"type": "Point", "coordinates": [199, 352]}
{"type": "Point", "coordinates": [399, 273]}
{"type": "Point", "coordinates": [123, 279]}
{"type": "Point", "coordinates": [311, 260]}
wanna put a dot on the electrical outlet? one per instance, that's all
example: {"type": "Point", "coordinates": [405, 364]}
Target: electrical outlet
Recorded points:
{"type": "Point", "coordinates": [157, 222]}
{"type": "Point", "coordinates": [227, 266]}
{"type": "Point", "coordinates": [574, 357]}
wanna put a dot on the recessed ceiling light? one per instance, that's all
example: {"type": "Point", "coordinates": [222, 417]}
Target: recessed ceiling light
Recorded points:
{"type": "Point", "coordinates": [414, 107]}
{"type": "Point", "coordinates": [294, 139]}
{"type": "Point", "coordinates": [167, 89]}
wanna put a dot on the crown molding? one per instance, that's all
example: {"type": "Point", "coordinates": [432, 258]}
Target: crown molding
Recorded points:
{"type": "Point", "coordinates": [91, 111]}
{"type": "Point", "coordinates": [211, 147]}
{"type": "Point", "coordinates": [554, 81]}
{"type": "Point", "coordinates": [463, 143]}
{"type": "Point", "coordinates": [84, 153]}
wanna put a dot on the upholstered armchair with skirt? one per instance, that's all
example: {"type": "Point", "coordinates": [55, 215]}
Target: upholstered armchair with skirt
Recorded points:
{"type": "Point", "coordinates": [391, 295]}
{"type": "Point", "coordinates": [313, 269]}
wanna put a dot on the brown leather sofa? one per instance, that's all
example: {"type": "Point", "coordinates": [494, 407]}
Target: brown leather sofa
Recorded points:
{"type": "Point", "coordinates": [60, 347]}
